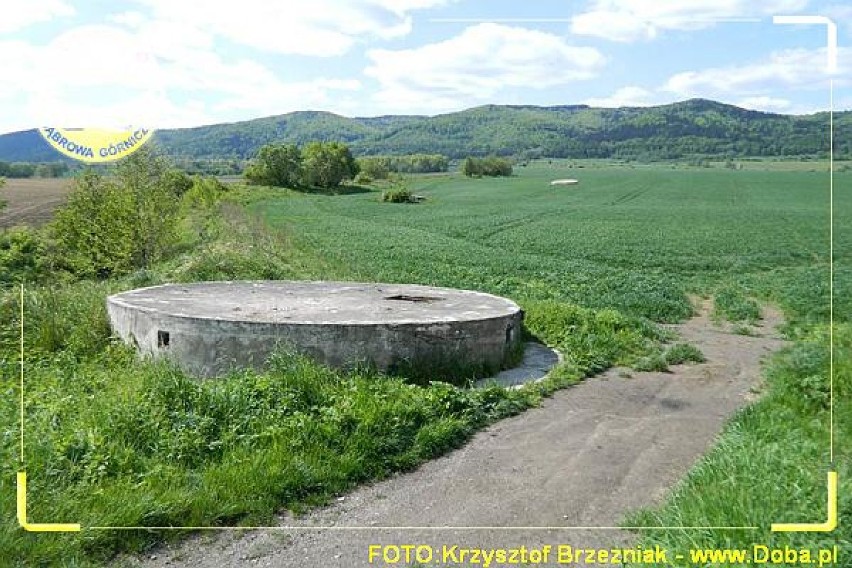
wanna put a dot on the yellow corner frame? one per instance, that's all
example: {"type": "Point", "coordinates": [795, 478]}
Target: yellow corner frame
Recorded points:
{"type": "Point", "coordinates": [37, 527]}
{"type": "Point", "coordinates": [829, 525]}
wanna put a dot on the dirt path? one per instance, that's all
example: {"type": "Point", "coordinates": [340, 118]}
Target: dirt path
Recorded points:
{"type": "Point", "coordinates": [589, 455]}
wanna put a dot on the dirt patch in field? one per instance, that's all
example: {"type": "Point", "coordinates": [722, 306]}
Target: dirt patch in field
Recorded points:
{"type": "Point", "coordinates": [590, 454]}
{"type": "Point", "coordinates": [32, 201]}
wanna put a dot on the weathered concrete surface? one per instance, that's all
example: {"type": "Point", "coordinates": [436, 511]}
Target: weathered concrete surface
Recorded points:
{"type": "Point", "coordinates": [211, 327]}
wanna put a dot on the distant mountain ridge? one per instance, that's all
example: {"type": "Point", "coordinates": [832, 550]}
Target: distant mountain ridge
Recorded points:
{"type": "Point", "coordinates": [696, 127]}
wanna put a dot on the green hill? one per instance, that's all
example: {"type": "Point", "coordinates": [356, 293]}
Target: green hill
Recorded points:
{"type": "Point", "coordinates": [695, 127]}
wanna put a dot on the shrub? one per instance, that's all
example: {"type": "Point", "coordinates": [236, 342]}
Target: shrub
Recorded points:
{"type": "Point", "coordinates": [177, 180]}
{"type": "Point", "coordinates": [21, 255]}
{"type": "Point", "coordinates": [651, 363]}
{"type": "Point", "coordinates": [115, 225]}
{"type": "Point", "coordinates": [327, 164]}
{"type": "Point", "coordinates": [363, 178]}
{"type": "Point", "coordinates": [374, 167]}
{"type": "Point", "coordinates": [204, 192]}
{"type": "Point", "coordinates": [398, 196]}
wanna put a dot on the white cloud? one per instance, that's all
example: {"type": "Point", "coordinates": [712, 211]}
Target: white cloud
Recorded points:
{"type": "Point", "coordinates": [18, 14]}
{"type": "Point", "coordinates": [317, 27]}
{"type": "Point", "coordinates": [630, 96]}
{"type": "Point", "coordinates": [841, 14]}
{"type": "Point", "coordinates": [131, 19]}
{"type": "Point", "coordinates": [632, 20]}
{"type": "Point", "coordinates": [476, 65]}
{"type": "Point", "coordinates": [140, 84]}
{"type": "Point", "coordinates": [791, 69]}
{"type": "Point", "coordinates": [765, 103]}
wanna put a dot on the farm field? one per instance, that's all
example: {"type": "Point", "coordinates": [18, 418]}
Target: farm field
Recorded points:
{"type": "Point", "coordinates": [120, 442]}
{"type": "Point", "coordinates": [634, 238]}
{"type": "Point", "coordinates": [32, 201]}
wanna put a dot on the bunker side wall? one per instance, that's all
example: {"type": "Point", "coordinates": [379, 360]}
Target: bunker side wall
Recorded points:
{"type": "Point", "coordinates": [210, 347]}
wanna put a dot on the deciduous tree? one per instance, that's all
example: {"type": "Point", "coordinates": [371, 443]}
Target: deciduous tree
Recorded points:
{"type": "Point", "coordinates": [327, 164]}
{"type": "Point", "coordinates": [278, 165]}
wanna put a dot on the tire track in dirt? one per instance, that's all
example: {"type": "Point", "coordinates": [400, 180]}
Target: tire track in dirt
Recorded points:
{"type": "Point", "coordinates": [586, 457]}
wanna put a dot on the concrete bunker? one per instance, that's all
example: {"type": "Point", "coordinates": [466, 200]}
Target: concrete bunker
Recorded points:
{"type": "Point", "coordinates": [210, 328]}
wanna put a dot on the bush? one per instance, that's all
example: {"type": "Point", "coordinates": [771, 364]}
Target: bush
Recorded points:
{"type": "Point", "coordinates": [21, 255]}
{"type": "Point", "coordinates": [398, 196]}
{"type": "Point", "coordinates": [327, 164]}
{"type": "Point", "coordinates": [363, 178]}
{"type": "Point", "coordinates": [178, 181]}
{"type": "Point", "coordinates": [374, 167]}
{"type": "Point", "coordinates": [119, 224]}
{"type": "Point", "coordinates": [652, 363]}
{"type": "Point", "coordinates": [204, 192]}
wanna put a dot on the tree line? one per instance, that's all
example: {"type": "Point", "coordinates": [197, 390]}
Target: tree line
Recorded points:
{"type": "Point", "coordinates": [489, 166]}
{"type": "Point", "coordinates": [379, 167]}
{"type": "Point", "coordinates": [28, 169]}
{"type": "Point", "coordinates": [318, 164]}
{"type": "Point", "coordinates": [677, 131]}
{"type": "Point", "coordinates": [683, 130]}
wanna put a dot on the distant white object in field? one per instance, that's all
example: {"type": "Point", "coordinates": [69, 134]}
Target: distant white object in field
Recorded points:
{"type": "Point", "coordinates": [565, 182]}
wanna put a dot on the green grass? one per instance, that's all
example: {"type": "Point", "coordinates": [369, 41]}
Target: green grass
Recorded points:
{"type": "Point", "coordinates": [634, 239]}
{"type": "Point", "coordinates": [681, 353]}
{"type": "Point", "coordinates": [111, 440]}
{"type": "Point", "coordinates": [733, 305]}
{"type": "Point", "coordinates": [771, 462]}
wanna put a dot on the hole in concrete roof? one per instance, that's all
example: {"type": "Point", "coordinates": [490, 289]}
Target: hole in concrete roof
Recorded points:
{"type": "Point", "coordinates": [162, 338]}
{"type": "Point", "coordinates": [405, 298]}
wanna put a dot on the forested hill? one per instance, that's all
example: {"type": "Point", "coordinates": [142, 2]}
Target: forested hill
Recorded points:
{"type": "Point", "coordinates": [695, 127]}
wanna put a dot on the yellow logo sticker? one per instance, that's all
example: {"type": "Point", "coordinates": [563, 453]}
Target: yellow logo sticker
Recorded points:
{"type": "Point", "coordinates": [96, 145]}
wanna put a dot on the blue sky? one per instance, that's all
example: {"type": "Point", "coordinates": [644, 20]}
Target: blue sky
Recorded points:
{"type": "Point", "coordinates": [170, 63]}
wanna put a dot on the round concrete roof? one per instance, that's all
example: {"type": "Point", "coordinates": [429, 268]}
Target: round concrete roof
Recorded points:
{"type": "Point", "coordinates": [296, 302]}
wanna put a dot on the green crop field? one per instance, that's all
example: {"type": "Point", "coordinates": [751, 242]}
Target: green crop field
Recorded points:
{"type": "Point", "coordinates": [633, 238]}
{"type": "Point", "coordinates": [116, 441]}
